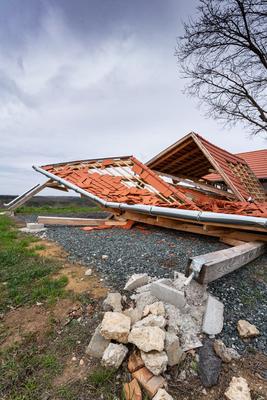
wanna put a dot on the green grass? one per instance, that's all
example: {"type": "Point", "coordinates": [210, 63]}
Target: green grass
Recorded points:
{"type": "Point", "coordinates": [53, 209]}
{"type": "Point", "coordinates": [25, 277]}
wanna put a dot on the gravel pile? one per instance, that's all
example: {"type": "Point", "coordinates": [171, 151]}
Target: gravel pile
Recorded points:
{"type": "Point", "coordinates": [160, 252]}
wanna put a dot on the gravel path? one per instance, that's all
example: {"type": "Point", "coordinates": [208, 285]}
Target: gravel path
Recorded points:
{"type": "Point", "coordinates": [160, 252]}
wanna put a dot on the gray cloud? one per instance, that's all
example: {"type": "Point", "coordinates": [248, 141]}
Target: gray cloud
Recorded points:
{"type": "Point", "coordinates": [93, 78]}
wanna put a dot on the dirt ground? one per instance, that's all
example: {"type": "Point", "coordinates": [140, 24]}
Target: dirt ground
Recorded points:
{"type": "Point", "coordinates": [40, 319]}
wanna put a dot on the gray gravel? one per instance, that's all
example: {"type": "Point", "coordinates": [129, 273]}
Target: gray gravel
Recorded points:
{"type": "Point", "coordinates": [160, 252]}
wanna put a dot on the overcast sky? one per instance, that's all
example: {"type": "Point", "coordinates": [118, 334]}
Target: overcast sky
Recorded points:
{"type": "Point", "coordinates": [88, 78]}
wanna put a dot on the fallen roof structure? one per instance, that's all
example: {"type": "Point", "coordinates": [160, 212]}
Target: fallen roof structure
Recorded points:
{"type": "Point", "coordinates": [169, 190]}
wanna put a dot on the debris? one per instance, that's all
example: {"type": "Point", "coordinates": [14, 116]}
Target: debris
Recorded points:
{"type": "Point", "coordinates": [104, 257]}
{"type": "Point", "coordinates": [135, 314]}
{"type": "Point", "coordinates": [115, 326]}
{"type": "Point", "coordinates": [168, 294]}
{"type": "Point", "coordinates": [113, 302]}
{"type": "Point", "coordinates": [173, 349]}
{"type": "Point", "coordinates": [97, 345]}
{"type": "Point", "coordinates": [156, 308]}
{"type": "Point", "coordinates": [238, 389]}
{"type": "Point", "coordinates": [155, 361]}
{"type": "Point", "coordinates": [114, 355]}
{"type": "Point", "coordinates": [148, 381]}
{"type": "Point", "coordinates": [147, 338]}
{"type": "Point", "coordinates": [162, 395]}
{"type": "Point", "coordinates": [213, 317]}
{"type": "Point", "coordinates": [81, 363]}
{"type": "Point", "coordinates": [227, 354]}
{"type": "Point", "coordinates": [143, 299]}
{"type": "Point", "coordinates": [247, 330]}
{"type": "Point", "coordinates": [151, 320]}
{"type": "Point", "coordinates": [135, 362]}
{"type": "Point", "coordinates": [209, 366]}
{"type": "Point", "coordinates": [136, 281]}
{"type": "Point", "coordinates": [132, 390]}
{"type": "Point", "coordinates": [88, 272]}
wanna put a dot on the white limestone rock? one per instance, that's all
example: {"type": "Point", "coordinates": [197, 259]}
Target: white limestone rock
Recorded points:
{"type": "Point", "coordinates": [113, 302]}
{"type": "Point", "coordinates": [238, 389]}
{"type": "Point", "coordinates": [143, 299]}
{"type": "Point", "coordinates": [115, 326]}
{"type": "Point", "coordinates": [173, 349]}
{"type": "Point", "coordinates": [147, 338]}
{"type": "Point", "coordinates": [156, 308]}
{"type": "Point", "coordinates": [151, 320]}
{"type": "Point", "coordinates": [135, 314]}
{"type": "Point", "coordinates": [246, 329]}
{"type": "Point", "coordinates": [155, 361]}
{"type": "Point", "coordinates": [114, 355]}
{"type": "Point", "coordinates": [135, 281]}
{"type": "Point", "coordinates": [213, 316]}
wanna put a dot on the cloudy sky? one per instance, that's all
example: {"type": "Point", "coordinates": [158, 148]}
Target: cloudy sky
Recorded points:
{"type": "Point", "coordinates": [88, 78]}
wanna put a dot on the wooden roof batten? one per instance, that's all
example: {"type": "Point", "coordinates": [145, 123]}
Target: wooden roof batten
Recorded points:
{"type": "Point", "coordinates": [168, 161]}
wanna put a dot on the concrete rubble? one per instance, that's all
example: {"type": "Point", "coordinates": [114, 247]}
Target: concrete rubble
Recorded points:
{"type": "Point", "coordinates": [160, 321]}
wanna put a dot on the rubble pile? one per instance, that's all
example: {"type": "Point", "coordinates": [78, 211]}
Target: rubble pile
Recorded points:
{"type": "Point", "coordinates": [160, 321]}
{"type": "Point", "coordinates": [156, 326]}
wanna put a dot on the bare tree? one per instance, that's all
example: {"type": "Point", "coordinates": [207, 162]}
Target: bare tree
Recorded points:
{"type": "Point", "coordinates": [223, 53]}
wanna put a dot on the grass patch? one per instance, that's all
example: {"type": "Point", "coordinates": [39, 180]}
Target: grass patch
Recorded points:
{"type": "Point", "coordinates": [53, 209]}
{"type": "Point", "coordinates": [25, 277]}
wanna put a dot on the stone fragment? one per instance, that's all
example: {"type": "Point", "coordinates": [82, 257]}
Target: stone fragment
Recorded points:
{"type": "Point", "coordinates": [143, 299]}
{"type": "Point", "coordinates": [114, 355]}
{"type": "Point", "coordinates": [145, 288]}
{"type": "Point", "coordinates": [225, 353]}
{"type": "Point", "coordinates": [155, 309]}
{"type": "Point", "coordinates": [173, 318]}
{"type": "Point", "coordinates": [148, 381]}
{"type": "Point", "coordinates": [162, 395]}
{"type": "Point", "coordinates": [238, 389]}
{"type": "Point", "coordinates": [135, 362]}
{"type": "Point", "coordinates": [155, 361]}
{"type": "Point", "coordinates": [115, 326]}
{"type": "Point", "coordinates": [213, 317]}
{"type": "Point", "coordinates": [97, 345]}
{"type": "Point", "coordinates": [209, 366]}
{"type": "Point", "coordinates": [173, 349]}
{"type": "Point", "coordinates": [147, 338]}
{"type": "Point", "coordinates": [135, 314]}
{"type": "Point", "coordinates": [132, 390]}
{"type": "Point", "coordinates": [179, 281]}
{"type": "Point", "coordinates": [247, 330]}
{"type": "Point", "coordinates": [168, 294]}
{"type": "Point", "coordinates": [195, 293]}
{"type": "Point", "coordinates": [151, 320]}
{"type": "Point", "coordinates": [88, 272]}
{"type": "Point", "coordinates": [135, 281]}
{"type": "Point", "coordinates": [113, 302]}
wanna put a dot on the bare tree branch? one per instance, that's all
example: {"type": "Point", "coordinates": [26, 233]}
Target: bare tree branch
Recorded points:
{"type": "Point", "coordinates": [223, 55]}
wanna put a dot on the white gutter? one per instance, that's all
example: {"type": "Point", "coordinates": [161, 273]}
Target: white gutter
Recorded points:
{"type": "Point", "coordinates": [190, 215]}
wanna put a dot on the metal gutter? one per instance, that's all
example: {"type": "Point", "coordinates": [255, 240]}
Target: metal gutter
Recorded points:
{"type": "Point", "coordinates": [190, 215]}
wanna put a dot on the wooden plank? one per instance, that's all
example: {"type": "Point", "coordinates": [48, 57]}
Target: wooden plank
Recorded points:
{"type": "Point", "coordinates": [230, 241]}
{"type": "Point", "coordinates": [71, 221]}
{"type": "Point", "coordinates": [23, 199]}
{"type": "Point", "coordinates": [222, 262]}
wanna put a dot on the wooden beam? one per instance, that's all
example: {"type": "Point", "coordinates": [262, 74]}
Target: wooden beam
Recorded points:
{"type": "Point", "coordinates": [230, 241]}
{"type": "Point", "coordinates": [71, 221]}
{"type": "Point", "coordinates": [24, 198]}
{"type": "Point", "coordinates": [219, 263]}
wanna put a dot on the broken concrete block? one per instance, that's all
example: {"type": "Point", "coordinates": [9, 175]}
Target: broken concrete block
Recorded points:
{"type": "Point", "coordinates": [247, 330]}
{"type": "Point", "coordinates": [151, 320]}
{"type": "Point", "coordinates": [135, 362]}
{"type": "Point", "coordinates": [97, 345]}
{"type": "Point", "coordinates": [226, 354]}
{"type": "Point", "coordinates": [195, 293]}
{"type": "Point", "coordinates": [209, 366]}
{"type": "Point", "coordinates": [135, 314]}
{"type": "Point", "coordinates": [143, 299]}
{"type": "Point", "coordinates": [168, 294]}
{"type": "Point", "coordinates": [135, 281]}
{"type": "Point", "coordinates": [132, 390]}
{"type": "Point", "coordinates": [148, 381]}
{"type": "Point", "coordinates": [173, 318]}
{"type": "Point", "coordinates": [156, 308]}
{"type": "Point", "coordinates": [213, 316]}
{"type": "Point", "coordinates": [179, 281]}
{"type": "Point", "coordinates": [238, 389]}
{"type": "Point", "coordinates": [173, 349]}
{"type": "Point", "coordinates": [162, 395]}
{"type": "Point", "coordinates": [32, 227]}
{"type": "Point", "coordinates": [155, 361]}
{"type": "Point", "coordinates": [113, 302]}
{"type": "Point", "coordinates": [145, 288]}
{"type": "Point", "coordinates": [147, 338]}
{"type": "Point", "coordinates": [114, 355]}
{"type": "Point", "coordinates": [115, 326]}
